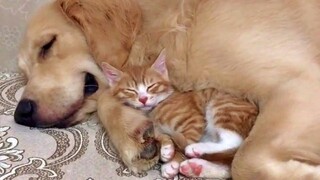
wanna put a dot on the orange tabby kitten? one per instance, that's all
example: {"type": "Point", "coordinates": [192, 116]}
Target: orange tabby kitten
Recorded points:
{"type": "Point", "coordinates": [209, 124]}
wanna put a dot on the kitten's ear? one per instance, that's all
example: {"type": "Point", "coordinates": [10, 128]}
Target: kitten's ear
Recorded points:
{"type": "Point", "coordinates": [112, 74]}
{"type": "Point", "coordinates": [160, 64]}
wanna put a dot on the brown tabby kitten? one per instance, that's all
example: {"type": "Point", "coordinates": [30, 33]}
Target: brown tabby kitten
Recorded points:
{"type": "Point", "coordinates": [209, 124]}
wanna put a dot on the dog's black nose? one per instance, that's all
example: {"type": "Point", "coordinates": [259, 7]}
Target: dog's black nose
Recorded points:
{"type": "Point", "coordinates": [24, 113]}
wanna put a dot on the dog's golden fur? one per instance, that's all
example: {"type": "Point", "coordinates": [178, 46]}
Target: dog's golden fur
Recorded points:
{"type": "Point", "coordinates": [265, 50]}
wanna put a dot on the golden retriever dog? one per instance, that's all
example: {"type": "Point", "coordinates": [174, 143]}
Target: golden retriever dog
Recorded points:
{"type": "Point", "coordinates": [267, 51]}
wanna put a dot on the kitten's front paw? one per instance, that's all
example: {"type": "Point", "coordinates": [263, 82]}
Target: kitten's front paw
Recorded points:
{"type": "Point", "coordinates": [195, 150]}
{"type": "Point", "coordinates": [191, 168]}
{"type": "Point", "coordinates": [167, 152]}
{"type": "Point", "coordinates": [204, 169]}
{"type": "Point", "coordinates": [170, 169]}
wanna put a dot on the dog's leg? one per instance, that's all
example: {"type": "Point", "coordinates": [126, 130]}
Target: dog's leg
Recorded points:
{"type": "Point", "coordinates": [284, 143]}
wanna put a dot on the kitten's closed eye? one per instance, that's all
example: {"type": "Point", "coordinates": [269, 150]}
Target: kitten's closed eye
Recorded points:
{"type": "Point", "coordinates": [127, 93]}
{"type": "Point", "coordinates": [130, 91]}
{"type": "Point", "coordinates": [158, 88]}
{"type": "Point", "coordinates": [152, 86]}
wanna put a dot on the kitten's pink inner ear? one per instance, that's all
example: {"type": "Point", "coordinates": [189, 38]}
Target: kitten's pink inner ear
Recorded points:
{"type": "Point", "coordinates": [160, 64]}
{"type": "Point", "coordinates": [112, 74]}
{"type": "Point", "coordinates": [112, 77]}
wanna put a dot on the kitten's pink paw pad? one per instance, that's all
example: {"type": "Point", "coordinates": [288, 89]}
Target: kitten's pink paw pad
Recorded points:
{"type": "Point", "coordinates": [193, 151]}
{"type": "Point", "coordinates": [190, 169]}
{"type": "Point", "coordinates": [167, 152]}
{"type": "Point", "coordinates": [170, 170]}
{"type": "Point", "coordinates": [201, 168]}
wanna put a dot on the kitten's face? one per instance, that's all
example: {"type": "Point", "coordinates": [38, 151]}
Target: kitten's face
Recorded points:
{"type": "Point", "coordinates": [142, 88]}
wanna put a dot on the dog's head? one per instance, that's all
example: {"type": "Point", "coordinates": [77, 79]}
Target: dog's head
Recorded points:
{"type": "Point", "coordinates": [63, 78]}
{"type": "Point", "coordinates": [64, 42]}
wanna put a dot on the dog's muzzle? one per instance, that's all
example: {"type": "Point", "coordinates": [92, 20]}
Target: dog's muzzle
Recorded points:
{"type": "Point", "coordinates": [26, 111]}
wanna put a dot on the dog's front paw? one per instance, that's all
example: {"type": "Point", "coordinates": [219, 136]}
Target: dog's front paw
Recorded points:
{"type": "Point", "coordinates": [150, 150]}
{"type": "Point", "coordinates": [146, 148]}
{"type": "Point", "coordinates": [144, 135]}
{"type": "Point", "coordinates": [141, 158]}
{"type": "Point", "coordinates": [139, 165]}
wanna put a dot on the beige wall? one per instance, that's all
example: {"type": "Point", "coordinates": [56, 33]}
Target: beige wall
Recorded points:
{"type": "Point", "coordinates": [13, 18]}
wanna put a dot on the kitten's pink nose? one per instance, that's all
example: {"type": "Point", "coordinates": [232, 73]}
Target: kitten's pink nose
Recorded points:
{"type": "Point", "coordinates": [143, 99]}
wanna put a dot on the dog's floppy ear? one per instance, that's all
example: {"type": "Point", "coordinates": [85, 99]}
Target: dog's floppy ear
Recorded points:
{"type": "Point", "coordinates": [110, 26]}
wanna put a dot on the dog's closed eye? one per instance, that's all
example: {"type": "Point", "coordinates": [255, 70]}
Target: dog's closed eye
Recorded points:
{"type": "Point", "coordinates": [46, 47]}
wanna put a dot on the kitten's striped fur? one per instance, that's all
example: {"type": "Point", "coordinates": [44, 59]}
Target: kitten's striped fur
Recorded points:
{"type": "Point", "coordinates": [187, 113]}
{"type": "Point", "coordinates": [213, 120]}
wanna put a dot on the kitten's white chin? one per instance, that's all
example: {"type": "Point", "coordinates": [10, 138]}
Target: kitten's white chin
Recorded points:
{"type": "Point", "coordinates": [146, 108]}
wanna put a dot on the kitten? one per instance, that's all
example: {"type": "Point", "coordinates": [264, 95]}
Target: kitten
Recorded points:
{"type": "Point", "coordinates": [209, 124]}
